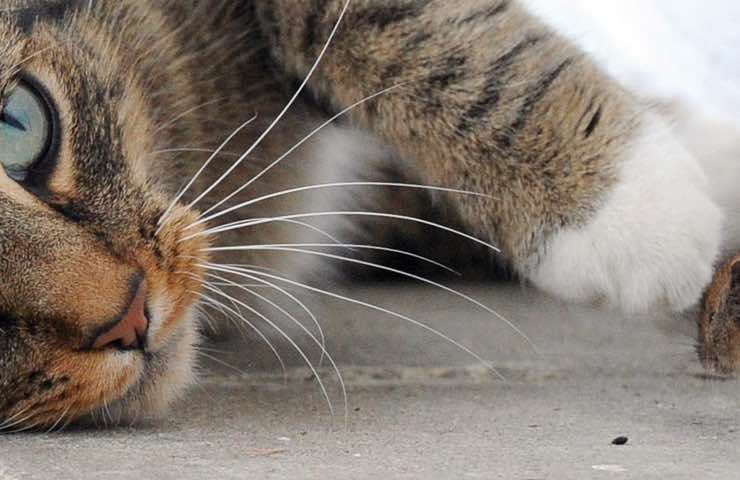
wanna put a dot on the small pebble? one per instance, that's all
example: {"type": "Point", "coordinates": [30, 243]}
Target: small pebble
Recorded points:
{"type": "Point", "coordinates": [620, 441]}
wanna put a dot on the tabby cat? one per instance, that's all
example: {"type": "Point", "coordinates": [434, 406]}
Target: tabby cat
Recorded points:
{"type": "Point", "coordinates": [110, 107]}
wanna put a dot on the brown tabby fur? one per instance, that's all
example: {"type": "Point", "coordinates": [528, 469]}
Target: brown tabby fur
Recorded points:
{"type": "Point", "coordinates": [719, 322]}
{"type": "Point", "coordinates": [489, 100]}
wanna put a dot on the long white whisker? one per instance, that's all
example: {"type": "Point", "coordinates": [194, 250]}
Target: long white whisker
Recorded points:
{"type": "Point", "coordinates": [308, 226]}
{"type": "Point", "coordinates": [221, 362]}
{"type": "Point", "coordinates": [276, 306]}
{"type": "Point", "coordinates": [213, 302]}
{"type": "Point", "coordinates": [332, 185]}
{"type": "Point", "coordinates": [402, 273]}
{"type": "Point", "coordinates": [250, 223]}
{"type": "Point", "coordinates": [280, 116]}
{"type": "Point", "coordinates": [342, 245]}
{"type": "Point", "coordinates": [240, 271]}
{"type": "Point", "coordinates": [300, 305]}
{"type": "Point", "coordinates": [293, 298]}
{"type": "Point", "coordinates": [292, 342]}
{"type": "Point", "coordinates": [301, 142]}
{"type": "Point", "coordinates": [321, 343]}
{"type": "Point", "coordinates": [201, 170]}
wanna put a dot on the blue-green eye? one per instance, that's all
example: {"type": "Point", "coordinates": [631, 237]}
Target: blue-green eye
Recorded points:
{"type": "Point", "coordinates": [25, 131]}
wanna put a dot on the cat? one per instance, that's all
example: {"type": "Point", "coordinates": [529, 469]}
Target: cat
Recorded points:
{"type": "Point", "coordinates": [110, 213]}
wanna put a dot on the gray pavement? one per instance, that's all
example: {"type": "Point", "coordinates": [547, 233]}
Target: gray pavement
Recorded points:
{"type": "Point", "coordinates": [418, 409]}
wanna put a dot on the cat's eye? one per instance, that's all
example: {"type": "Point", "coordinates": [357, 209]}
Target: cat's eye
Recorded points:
{"type": "Point", "coordinates": [25, 130]}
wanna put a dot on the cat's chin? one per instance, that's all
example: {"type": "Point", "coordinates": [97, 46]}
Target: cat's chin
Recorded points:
{"type": "Point", "coordinates": [164, 378]}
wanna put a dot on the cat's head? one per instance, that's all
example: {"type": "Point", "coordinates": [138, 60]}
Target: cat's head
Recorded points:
{"type": "Point", "coordinates": [96, 299]}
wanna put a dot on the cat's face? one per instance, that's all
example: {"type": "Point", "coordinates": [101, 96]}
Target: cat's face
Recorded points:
{"type": "Point", "coordinates": [80, 247]}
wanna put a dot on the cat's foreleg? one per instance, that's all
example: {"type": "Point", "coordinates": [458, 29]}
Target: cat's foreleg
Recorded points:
{"type": "Point", "coordinates": [590, 196]}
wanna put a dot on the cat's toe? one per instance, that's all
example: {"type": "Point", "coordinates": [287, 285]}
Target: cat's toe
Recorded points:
{"type": "Point", "coordinates": [653, 242]}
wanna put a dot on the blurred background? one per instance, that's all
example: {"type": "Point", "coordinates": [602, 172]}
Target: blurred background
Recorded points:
{"type": "Point", "coordinates": [670, 49]}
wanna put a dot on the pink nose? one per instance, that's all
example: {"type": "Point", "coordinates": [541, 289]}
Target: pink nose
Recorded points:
{"type": "Point", "coordinates": [130, 332]}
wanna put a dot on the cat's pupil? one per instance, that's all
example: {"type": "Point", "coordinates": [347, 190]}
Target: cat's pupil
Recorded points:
{"type": "Point", "coordinates": [25, 131]}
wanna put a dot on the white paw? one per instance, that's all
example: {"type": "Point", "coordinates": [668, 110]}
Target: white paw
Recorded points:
{"type": "Point", "coordinates": [651, 245]}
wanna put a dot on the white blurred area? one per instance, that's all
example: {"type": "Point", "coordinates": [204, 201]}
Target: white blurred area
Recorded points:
{"type": "Point", "coordinates": [670, 49]}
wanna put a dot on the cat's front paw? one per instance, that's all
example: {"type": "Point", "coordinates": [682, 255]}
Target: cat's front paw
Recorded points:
{"type": "Point", "coordinates": [651, 245]}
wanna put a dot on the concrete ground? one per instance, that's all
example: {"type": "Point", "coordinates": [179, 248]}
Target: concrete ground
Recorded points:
{"type": "Point", "coordinates": [418, 409]}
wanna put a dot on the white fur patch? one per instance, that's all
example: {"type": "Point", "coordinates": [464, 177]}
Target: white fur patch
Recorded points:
{"type": "Point", "coordinates": [652, 244]}
{"type": "Point", "coordinates": [715, 142]}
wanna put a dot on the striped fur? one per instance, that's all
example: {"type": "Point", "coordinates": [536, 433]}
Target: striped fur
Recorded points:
{"type": "Point", "coordinates": [488, 99]}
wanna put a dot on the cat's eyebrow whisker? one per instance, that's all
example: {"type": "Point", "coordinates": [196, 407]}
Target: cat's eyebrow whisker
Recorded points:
{"type": "Point", "coordinates": [349, 246]}
{"type": "Point", "coordinates": [323, 186]}
{"type": "Point", "coordinates": [321, 343]}
{"type": "Point", "coordinates": [301, 142]}
{"type": "Point", "coordinates": [396, 271]}
{"type": "Point", "coordinates": [326, 293]}
{"type": "Point", "coordinates": [253, 222]}
{"type": "Point", "coordinates": [200, 171]}
{"type": "Point", "coordinates": [282, 113]}
{"type": "Point", "coordinates": [292, 342]}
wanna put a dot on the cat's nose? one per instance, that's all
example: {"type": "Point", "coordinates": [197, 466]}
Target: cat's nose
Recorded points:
{"type": "Point", "coordinates": [128, 333]}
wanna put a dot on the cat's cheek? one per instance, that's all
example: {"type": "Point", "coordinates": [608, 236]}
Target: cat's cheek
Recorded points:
{"type": "Point", "coordinates": [653, 242]}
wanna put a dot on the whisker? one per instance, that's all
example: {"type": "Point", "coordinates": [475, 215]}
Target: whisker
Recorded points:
{"type": "Point", "coordinates": [200, 171]}
{"type": "Point", "coordinates": [26, 428]}
{"type": "Point", "coordinates": [192, 150]}
{"type": "Point", "coordinates": [280, 116]}
{"type": "Point", "coordinates": [321, 344]}
{"type": "Point", "coordinates": [242, 271]}
{"type": "Point", "coordinates": [396, 271]}
{"type": "Point", "coordinates": [221, 362]}
{"type": "Point", "coordinates": [209, 300]}
{"type": "Point", "coordinates": [350, 246]}
{"type": "Point", "coordinates": [266, 284]}
{"type": "Point", "coordinates": [6, 422]}
{"type": "Point", "coordinates": [301, 142]}
{"type": "Point", "coordinates": [329, 186]}
{"type": "Point", "coordinates": [299, 223]}
{"type": "Point", "coordinates": [206, 316]}
{"type": "Point", "coordinates": [59, 420]}
{"type": "Point", "coordinates": [295, 300]}
{"type": "Point", "coordinates": [18, 421]}
{"type": "Point", "coordinates": [250, 223]}
{"type": "Point", "coordinates": [298, 349]}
